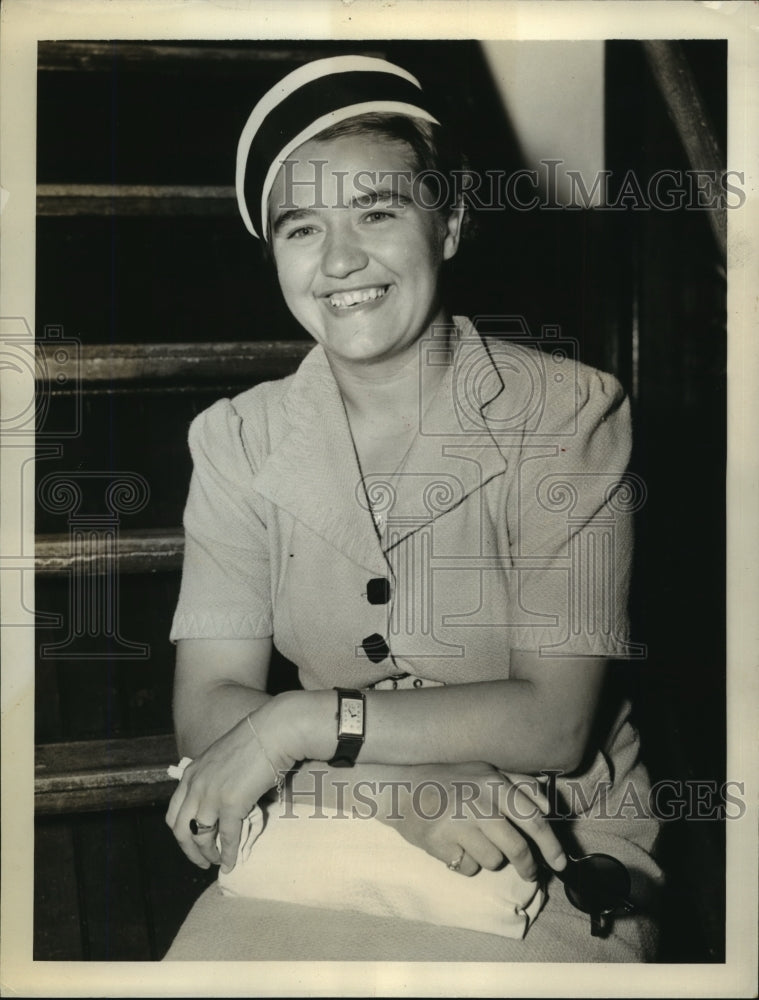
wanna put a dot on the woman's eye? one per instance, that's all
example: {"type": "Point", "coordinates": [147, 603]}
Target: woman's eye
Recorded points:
{"type": "Point", "coordinates": [300, 233]}
{"type": "Point", "coordinates": [378, 216]}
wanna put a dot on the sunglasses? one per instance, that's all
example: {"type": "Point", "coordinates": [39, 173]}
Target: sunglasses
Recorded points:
{"type": "Point", "coordinates": [598, 885]}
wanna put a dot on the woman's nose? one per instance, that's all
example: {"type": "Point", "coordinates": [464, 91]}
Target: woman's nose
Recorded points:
{"type": "Point", "coordinates": [343, 254]}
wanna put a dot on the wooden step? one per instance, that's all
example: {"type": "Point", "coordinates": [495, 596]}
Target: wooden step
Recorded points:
{"type": "Point", "coordinates": [102, 365]}
{"type": "Point", "coordinates": [134, 199]}
{"type": "Point", "coordinates": [148, 551]}
{"type": "Point", "coordinates": [93, 775]}
{"type": "Point", "coordinates": [136, 57]}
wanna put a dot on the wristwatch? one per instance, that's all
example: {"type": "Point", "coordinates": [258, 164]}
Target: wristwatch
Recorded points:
{"type": "Point", "coordinates": [351, 727]}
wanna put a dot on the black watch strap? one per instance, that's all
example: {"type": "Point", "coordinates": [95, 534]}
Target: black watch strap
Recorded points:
{"type": "Point", "coordinates": [351, 726]}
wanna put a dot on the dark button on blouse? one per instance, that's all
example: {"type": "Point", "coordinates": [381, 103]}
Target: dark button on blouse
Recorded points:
{"type": "Point", "coordinates": [378, 590]}
{"type": "Point", "coordinates": [376, 648]}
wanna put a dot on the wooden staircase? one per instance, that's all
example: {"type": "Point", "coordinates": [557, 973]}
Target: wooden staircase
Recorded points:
{"type": "Point", "coordinates": [152, 302]}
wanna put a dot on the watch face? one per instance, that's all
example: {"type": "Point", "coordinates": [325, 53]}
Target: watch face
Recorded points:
{"type": "Point", "coordinates": [352, 717]}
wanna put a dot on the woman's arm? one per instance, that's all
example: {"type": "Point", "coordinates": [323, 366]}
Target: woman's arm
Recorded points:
{"type": "Point", "coordinates": [540, 718]}
{"type": "Point", "coordinates": [217, 682]}
{"type": "Point", "coordinates": [546, 705]}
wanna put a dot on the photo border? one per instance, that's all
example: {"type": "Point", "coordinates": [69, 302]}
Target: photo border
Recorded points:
{"type": "Point", "coordinates": [24, 22]}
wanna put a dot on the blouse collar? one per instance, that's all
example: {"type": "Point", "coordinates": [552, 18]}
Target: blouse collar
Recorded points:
{"type": "Point", "coordinates": [314, 472]}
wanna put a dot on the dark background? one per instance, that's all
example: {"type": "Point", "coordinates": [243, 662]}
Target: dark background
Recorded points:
{"type": "Point", "coordinates": [643, 292]}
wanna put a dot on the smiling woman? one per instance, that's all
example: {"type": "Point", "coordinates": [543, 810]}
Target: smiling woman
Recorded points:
{"type": "Point", "coordinates": [436, 524]}
{"type": "Point", "coordinates": [363, 278]}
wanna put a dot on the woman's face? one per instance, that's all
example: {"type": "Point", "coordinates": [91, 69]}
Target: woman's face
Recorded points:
{"type": "Point", "coordinates": [358, 260]}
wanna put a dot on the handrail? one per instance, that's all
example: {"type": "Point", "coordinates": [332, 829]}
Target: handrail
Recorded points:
{"type": "Point", "coordinates": [688, 112]}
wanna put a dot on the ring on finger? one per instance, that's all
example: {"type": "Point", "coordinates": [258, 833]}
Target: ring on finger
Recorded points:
{"type": "Point", "coordinates": [454, 865]}
{"type": "Point", "coordinates": [198, 829]}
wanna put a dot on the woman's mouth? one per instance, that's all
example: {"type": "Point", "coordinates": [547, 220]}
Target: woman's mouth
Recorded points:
{"type": "Point", "coordinates": [356, 297]}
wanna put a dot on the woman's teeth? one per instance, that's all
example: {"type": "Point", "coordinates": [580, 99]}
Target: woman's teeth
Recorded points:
{"type": "Point", "coordinates": [342, 300]}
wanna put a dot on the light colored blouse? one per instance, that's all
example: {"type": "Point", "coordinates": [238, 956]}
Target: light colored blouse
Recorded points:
{"type": "Point", "coordinates": [507, 526]}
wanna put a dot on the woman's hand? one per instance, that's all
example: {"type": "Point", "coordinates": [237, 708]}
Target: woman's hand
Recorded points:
{"type": "Point", "coordinates": [221, 786]}
{"type": "Point", "coordinates": [477, 816]}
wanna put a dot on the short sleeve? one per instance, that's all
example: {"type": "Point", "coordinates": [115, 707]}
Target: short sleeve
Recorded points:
{"type": "Point", "coordinates": [570, 525]}
{"type": "Point", "coordinates": [225, 591]}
